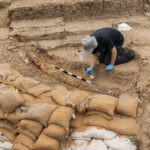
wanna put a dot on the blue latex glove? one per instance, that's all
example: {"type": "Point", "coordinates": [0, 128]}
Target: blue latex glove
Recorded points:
{"type": "Point", "coordinates": [109, 67]}
{"type": "Point", "coordinates": [89, 70]}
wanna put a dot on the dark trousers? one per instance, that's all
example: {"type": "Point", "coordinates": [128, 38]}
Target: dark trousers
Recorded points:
{"type": "Point", "coordinates": [121, 58]}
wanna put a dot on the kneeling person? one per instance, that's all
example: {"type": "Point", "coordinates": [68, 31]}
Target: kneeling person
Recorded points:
{"type": "Point", "coordinates": [106, 46]}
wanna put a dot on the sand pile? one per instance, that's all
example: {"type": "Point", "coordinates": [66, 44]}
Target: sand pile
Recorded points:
{"type": "Point", "coordinates": [35, 116]}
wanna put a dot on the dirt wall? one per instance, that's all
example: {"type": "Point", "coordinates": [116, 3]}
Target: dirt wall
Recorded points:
{"type": "Point", "coordinates": [75, 9]}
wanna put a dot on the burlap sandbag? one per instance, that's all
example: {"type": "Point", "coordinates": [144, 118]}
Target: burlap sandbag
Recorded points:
{"type": "Point", "coordinates": [22, 139]}
{"type": "Point", "coordinates": [14, 78]}
{"type": "Point", "coordinates": [28, 83]}
{"type": "Point", "coordinates": [10, 99]}
{"type": "Point", "coordinates": [46, 143]}
{"type": "Point", "coordinates": [11, 117]}
{"type": "Point", "coordinates": [9, 135]}
{"type": "Point", "coordinates": [106, 116]}
{"type": "Point", "coordinates": [79, 99]}
{"type": "Point", "coordinates": [96, 120]}
{"type": "Point", "coordinates": [103, 103]}
{"type": "Point", "coordinates": [5, 72]}
{"type": "Point", "coordinates": [46, 98]}
{"type": "Point", "coordinates": [23, 83]}
{"type": "Point", "coordinates": [20, 146]}
{"type": "Point", "coordinates": [39, 89]}
{"type": "Point", "coordinates": [32, 126]}
{"type": "Point", "coordinates": [36, 111]}
{"type": "Point", "coordinates": [1, 114]}
{"type": "Point", "coordinates": [7, 126]}
{"type": "Point", "coordinates": [8, 75]}
{"type": "Point", "coordinates": [26, 133]}
{"type": "Point", "coordinates": [127, 105]}
{"type": "Point", "coordinates": [55, 132]}
{"type": "Point", "coordinates": [125, 126]}
{"type": "Point", "coordinates": [29, 98]}
{"type": "Point", "coordinates": [77, 122]}
{"type": "Point", "coordinates": [60, 95]}
{"type": "Point", "coordinates": [62, 116]}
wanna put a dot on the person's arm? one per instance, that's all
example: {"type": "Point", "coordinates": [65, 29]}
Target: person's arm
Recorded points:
{"type": "Point", "coordinates": [113, 59]}
{"type": "Point", "coordinates": [93, 63]}
{"type": "Point", "coordinates": [95, 57]}
{"type": "Point", "coordinates": [113, 55]}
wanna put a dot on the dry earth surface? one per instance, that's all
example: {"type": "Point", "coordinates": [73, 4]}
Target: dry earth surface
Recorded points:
{"type": "Point", "coordinates": [54, 28]}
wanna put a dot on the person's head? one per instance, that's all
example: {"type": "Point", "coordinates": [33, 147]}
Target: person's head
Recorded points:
{"type": "Point", "coordinates": [89, 43]}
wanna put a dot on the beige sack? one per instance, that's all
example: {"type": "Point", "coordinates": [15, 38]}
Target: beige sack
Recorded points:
{"type": "Point", "coordinates": [23, 83]}
{"type": "Point", "coordinates": [29, 98]}
{"type": "Point", "coordinates": [13, 78]}
{"type": "Point", "coordinates": [17, 83]}
{"type": "Point", "coordinates": [125, 126]}
{"type": "Point", "coordinates": [20, 146]}
{"type": "Point", "coordinates": [11, 117]}
{"type": "Point", "coordinates": [8, 75]}
{"type": "Point", "coordinates": [1, 114]}
{"type": "Point", "coordinates": [103, 103]}
{"type": "Point", "coordinates": [38, 89]}
{"type": "Point", "coordinates": [22, 139]}
{"type": "Point", "coordinates": [104, 115]}
{"type": "Point", "coordinates": [79, 99]}
{"type": "Point", "coordinates": [62, 116]}
{"type": "Point", "coordinates": [5, 72]}
{"type": "Point", "coordinates": [127, 105]}
{"type": "Point", "coordinates": [60, 95]}
{"type": "Point", "coordinates": [46, 98]}
{"type": "Point", "coordinates": [96, 120]}
{"type": "Point", "coordinates": [55, 132]}
{"type": "Point", "coordinates": [10, 100]}
{"type": "Point", "coordinates": [28, 83]}
{"type": "Point", "coordinates": [46, 143]}
{"type": "Point", "coordinates": [32, 126]}
{"type": "Point", "coordinates": [26, 133]}
{"type": "Point", "coordinates": [36, 111]}
{"type": "Point", "coordinates": [78, 121]}
{"type": "Point", "coordinates": [9, 135]}
{"type": "Point", "coordinates": [7, 126]}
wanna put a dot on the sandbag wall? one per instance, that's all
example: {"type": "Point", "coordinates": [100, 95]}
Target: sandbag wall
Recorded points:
{"type": "Point", "coordinates": [35, 116]}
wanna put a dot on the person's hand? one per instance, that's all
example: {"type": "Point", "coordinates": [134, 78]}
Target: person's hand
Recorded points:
{"type": "Point", "coordinates": [89, 70]}
{"type": "Point", "coordinates": [109, 67]}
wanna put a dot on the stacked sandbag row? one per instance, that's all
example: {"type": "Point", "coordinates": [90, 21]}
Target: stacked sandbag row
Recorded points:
{"type": "Point", "coordinates": [29, 89]}
{"type": "Point", "coordinates": [29, 102]}
{"type": "Point", "coordinates": [27, 133]}
{"type": "Point", "coordinates": [55, 118]}
{"type": "Point", "coordinates": [7, 129]}
{"type": "Point", "coordinates": [10, 100]}
{"type": "Point", "coordinates": [97, 104]}
{"type": "Point", "coordinates": [57, 130]}
{"type": "Point", "coordinates": [19, 91]}
{"type": "Point", "coordinates": [31, 105]}
{"type": "Point", "coordinates": [99, 110]}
